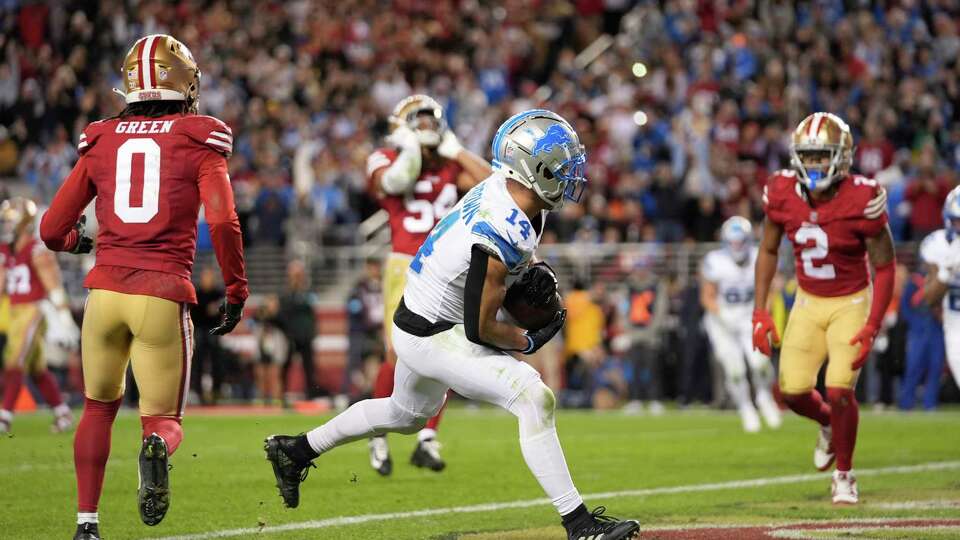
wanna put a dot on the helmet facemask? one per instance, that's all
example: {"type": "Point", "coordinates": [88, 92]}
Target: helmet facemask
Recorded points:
{"type": "Point", "coordinates": [819, 166]}
{"type": "Point", "coordinates": [429, 126]}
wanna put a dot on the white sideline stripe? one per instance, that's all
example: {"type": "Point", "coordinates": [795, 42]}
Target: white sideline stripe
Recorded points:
{"type": "Point", "coordinates": [492, 507]}
{"type": "Point", "coordinates": [842, 532]}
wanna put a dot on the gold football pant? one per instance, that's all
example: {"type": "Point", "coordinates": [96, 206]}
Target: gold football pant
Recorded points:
{"type": "Point", "coordinates": [394, 281]}
{"type": "Point", "coordinates": [24, 349]}
{"type": "Point", "coordinates": [154, 334]}
{"type": "Point", "coordinates": [820, 328]}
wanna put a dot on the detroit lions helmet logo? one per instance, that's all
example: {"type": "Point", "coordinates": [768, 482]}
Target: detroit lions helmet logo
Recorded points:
{"type": "Point", "coordinates": [555, 135]}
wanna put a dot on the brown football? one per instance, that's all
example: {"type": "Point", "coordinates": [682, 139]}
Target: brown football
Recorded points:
{"type": "Point", "coordinates": [527, 316]}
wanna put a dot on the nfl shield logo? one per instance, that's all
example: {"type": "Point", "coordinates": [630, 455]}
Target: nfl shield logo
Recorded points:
{"type": "Point", "coordinates": [813, 217]}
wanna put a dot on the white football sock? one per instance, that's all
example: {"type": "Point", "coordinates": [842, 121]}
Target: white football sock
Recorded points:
{"type": "Point", "coordinates": [540, 446]}
{"type": "Point", "coordinates": [362, 420]}
{"type": "Point", "coordinates": [739, 390]}
{"type": "Point", "coordinates": [61, 409]}
{"type": "Point", "coordinates": [87, 517]}
{"type": "Point", "coordinates": [426, 434]}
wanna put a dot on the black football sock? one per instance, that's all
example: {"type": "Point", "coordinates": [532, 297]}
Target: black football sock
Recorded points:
{"type": "Point", "coordinates": [304, 452]}
{"type": "Point", "coordinates": [576, 517]}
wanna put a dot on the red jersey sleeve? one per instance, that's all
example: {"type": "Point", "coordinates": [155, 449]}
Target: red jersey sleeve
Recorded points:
{"type": "Point", "coordinates": [56, 226]}
{"type": "Point", "coordinates": [217, 197]}
{"type": "Point", "coordinates": [775, 191]}
{"type": "Point", "coordinates": [210, 132]}
{"type": "Point", "coordinates": [865, 190]}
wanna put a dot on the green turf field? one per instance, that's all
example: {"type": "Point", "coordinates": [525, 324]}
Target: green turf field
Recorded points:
{"type": "Point", "coordinates": [221, 482]}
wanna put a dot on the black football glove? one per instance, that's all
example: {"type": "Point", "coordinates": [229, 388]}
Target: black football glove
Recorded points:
{"type": "Point", "coordinates": [538, 284]}
{"type": "Point", "coordinates": [539, 338]}
{"type": "Point", "coordinates": [84, 243]}
{"type": "Point", "coordinates": [231, 314]}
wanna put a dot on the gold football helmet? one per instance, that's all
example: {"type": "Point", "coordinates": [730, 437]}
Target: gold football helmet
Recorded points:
{"type": "Point", "coordinates": [158, 67]}
{"type": "Point", "coordinates": [16, 216]}
{"type": "Point", "coordinates": [821, 150]}
{"type": "Point", "coordinates": [423, 115]}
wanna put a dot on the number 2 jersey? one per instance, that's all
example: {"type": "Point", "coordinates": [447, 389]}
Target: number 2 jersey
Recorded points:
{"type": "Point", "coordinates": [413, 215]}
{"type": "Point", "coordinates": [828, 238]}
{"type": "Point", "coordinates": [149, 177]}
{"type": "Point", "coordinates": [486, 216]}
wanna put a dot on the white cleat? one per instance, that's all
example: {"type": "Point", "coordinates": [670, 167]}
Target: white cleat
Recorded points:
{"type": "Point", "coordinates": [844, 488]}
{"type": "Point", "coordinates": [823, 453]}
{"type": "Point", "coordinates": [380, 456]}
{"type": "Point", "coordinates": [769, 410]}
{"type": "Point", "coordinates": [62, 423]}
{"type": "Point", "coordinates": [750, 419]}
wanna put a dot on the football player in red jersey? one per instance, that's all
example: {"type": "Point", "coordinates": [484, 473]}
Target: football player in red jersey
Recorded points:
{"type": "Point", "coordinates": [32, 277]}
{"type": "Point", "coordinates": [416, 179]}
{"type": "Point", "coordinates": [150, 168]}
{"type": "Point", "coordinates": [831, 218]}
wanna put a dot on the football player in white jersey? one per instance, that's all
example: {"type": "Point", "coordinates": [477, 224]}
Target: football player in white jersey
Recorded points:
{"type": "Point", "coordinates": [447, 333]}
{"type": "Point", "coordinates": [940, 251]}
{"type": "Point", "coordinates": [726, 292]}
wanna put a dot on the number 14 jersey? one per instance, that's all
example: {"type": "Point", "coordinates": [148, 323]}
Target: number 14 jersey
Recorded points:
{"type": "Point", "coordinates": [149, 177]}
{"type": "Point", "coordinates": [829, 237]}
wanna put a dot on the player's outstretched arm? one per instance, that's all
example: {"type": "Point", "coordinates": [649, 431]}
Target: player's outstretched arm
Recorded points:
{"type": "Point", "coordinates": [882, 257]}
{"type": "Point", "coordinates": [764, 331]}
{"type": "Point", "coordinates": [61, 228]}
{"type": "Point", "coordinates": [708, 295]}
{"type": "Point", "coordinates": [399, 176]}
{"type": "Point", "coordinates": [483, 296]}
{"type": "Point", "coordinates": [221, 215]}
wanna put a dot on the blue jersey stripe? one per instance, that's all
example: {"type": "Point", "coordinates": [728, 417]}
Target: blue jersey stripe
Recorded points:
{"type": "Point", "coordinates": [509, 251]}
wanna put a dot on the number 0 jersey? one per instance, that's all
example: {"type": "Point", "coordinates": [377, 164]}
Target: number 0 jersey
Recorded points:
{"type": "Point", "coordinates": [734, 284]}
{"type": "Point", "coordinates": [23, 283]}
{"type": "Point", "coordinates": [149, 176]}
{"type": "Point", "coordinates": [413, 215]}
{"type": "Point", "coordinates": [487, 216]}
{"type": "Point", "coordinates": [829, 238]}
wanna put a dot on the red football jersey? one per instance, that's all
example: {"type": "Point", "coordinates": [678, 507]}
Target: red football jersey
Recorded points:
{"type": "Point", "coordinates": [414, 214]}
{"type": "Point", "coordinates": [149, 176]}
{"type": "Point", "coordinates": [828, 237]}
{"type": "Point", "coordinates": [23, 282]}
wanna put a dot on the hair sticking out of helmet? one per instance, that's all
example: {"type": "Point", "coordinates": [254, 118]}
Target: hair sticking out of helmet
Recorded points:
{"type": "Point", "coordinates": [951, 213]}
{"type": "Point", "coordinates": [821, 150]}
{"type": "Point", "coordinates": [16, 217]}
{"type": "Point", "coordinates": [737, 235]}
{"type": "Point", "coordinates": [541, 151]}
{"type": "Point", "coordinates": [422, 114]}
{"type": "Point", "coordinates": [160, 68]}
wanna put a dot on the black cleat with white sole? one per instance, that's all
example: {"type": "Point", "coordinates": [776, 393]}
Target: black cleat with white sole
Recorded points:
{"type": "Point", "coordinates": [87, 531]}
{"type": "Point", "coordinates": [427, 455]}
{"type": "Point", "coordinates": [153, 494]}
{"type": "Point", "coordinates": [289, 467]}
{"type": "Point", "coordinates": [598, 526]}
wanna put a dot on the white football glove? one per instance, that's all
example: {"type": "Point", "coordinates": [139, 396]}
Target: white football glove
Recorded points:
{"type": "Point", "coordinates": [61, 329]}
{"type": "Point", "coordinates": [404, 138]}
{"type": "Point", "coordinates": [450, 146]}
{"type": "Point", "coordinates": [877, 205]}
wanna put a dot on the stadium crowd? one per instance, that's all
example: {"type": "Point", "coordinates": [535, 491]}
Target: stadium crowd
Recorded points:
{"type": "Point", "coordinates": [684, 113]}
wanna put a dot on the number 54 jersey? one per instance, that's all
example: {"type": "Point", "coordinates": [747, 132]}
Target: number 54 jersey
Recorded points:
{"type": "Point", "coordinates": [828, 239]}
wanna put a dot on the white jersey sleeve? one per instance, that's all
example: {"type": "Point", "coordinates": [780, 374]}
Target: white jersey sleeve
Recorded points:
{"type": "Point", "coordinates": [711, 267]}
{"type": "Point", "coordinates": [935, 249]}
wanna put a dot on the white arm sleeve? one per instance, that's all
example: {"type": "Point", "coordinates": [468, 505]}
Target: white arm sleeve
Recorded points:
{"type": "Point", "coordinates": [401, 174]}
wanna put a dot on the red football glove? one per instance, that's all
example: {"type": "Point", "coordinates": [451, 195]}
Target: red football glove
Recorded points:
{"type": "Point", "coordinates": [865, 338]}
{"type": "Point", "coordinates": [764, 332]}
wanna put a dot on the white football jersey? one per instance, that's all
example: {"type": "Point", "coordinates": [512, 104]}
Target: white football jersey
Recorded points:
{"type": "Point", "coordinates": [487, 215]}
{"type": "Point", "coordinates": [734, 283]}
{"type": "Point", "coordinates": [936, 249]}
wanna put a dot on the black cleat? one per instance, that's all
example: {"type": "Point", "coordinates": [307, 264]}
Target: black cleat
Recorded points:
{"type": "Point", "coordinates": [605, 527]}
{"type": "Point", "coordinates": [380, 455]}
{"type": "Point", "coordinates": [154, 492]}
{"type": "Point", "coordinates": [87, 531]}
{"type": "Point", "coordinates": [288, 469]}
{"type": "Point", "coordinates": [427, 454]}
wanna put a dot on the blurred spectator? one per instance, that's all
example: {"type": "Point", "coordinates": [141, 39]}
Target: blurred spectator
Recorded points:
{"type": "Point", "coordinates": [696, 368]}
{"type": "Point", "coordinates": [272, 349]}
{"type": "Point", "coordinates": [926, 193]}
{"type": "Point", "coordinates": [207, 371]}
{"type": "Point", "coordinates": [644, 310]}
{"type": "Point", "coordinates": [364, 330]}
{"type": "Point", "coordinates": [925, 347]}
{"type": "Point", "coordinates": [299, 323]}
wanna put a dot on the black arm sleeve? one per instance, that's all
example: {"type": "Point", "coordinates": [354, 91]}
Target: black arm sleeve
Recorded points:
{"type": "Point", "coordinates": [473, 293]}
